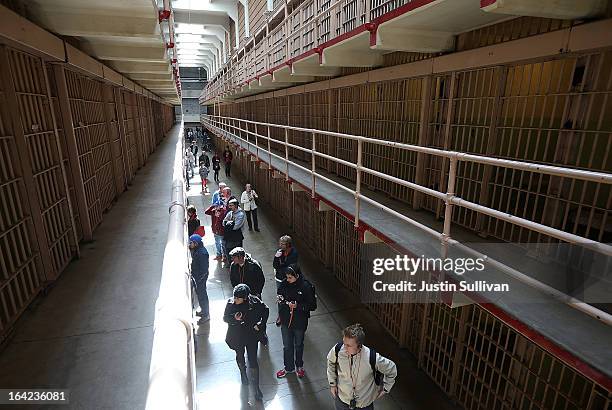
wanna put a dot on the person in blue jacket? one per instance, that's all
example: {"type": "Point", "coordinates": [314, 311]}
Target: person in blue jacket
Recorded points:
{"type": "Point", "coordinates": [199, 272]}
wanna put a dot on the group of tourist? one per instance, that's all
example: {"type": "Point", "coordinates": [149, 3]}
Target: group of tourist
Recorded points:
{"type": "Point", "coordinates": [247, 315]}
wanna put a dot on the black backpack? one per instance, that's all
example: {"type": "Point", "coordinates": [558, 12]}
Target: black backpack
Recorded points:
{"type": "Point", "coordinates": [313, 293]}
{"type": "Point", "coordinates": [378, 376]}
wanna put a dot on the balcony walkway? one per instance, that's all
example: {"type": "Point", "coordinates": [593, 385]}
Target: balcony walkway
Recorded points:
{"type": "Point", "coordinates": [576, 337]}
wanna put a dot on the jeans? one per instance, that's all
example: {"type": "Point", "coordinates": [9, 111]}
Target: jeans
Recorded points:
{"type": "Point", "coordinates": [219, 245]}
{"type": "Point", "coordinates": [216, 175]}
{"type": "Point", "coordinates": [293, 347]}
{"type": "Point", "coordinates": [251, 350]}
{"type": "Point", "coordinates": [202, 294]}
{"type": "Point", "coordinates": [248, 218]}
{"type": "Point", "coordinates": [228, 169]}
{"type": "Point", "coordinates": [343, 406]}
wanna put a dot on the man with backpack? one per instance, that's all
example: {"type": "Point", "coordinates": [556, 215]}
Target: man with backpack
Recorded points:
{"type": "Point", "coordinates": [357, 375]}
{"type": "Point", "coordinates": [296, 299]}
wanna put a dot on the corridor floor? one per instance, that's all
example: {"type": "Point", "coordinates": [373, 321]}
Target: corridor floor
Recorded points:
{"type": "Point", "coordinates": [218, 380]}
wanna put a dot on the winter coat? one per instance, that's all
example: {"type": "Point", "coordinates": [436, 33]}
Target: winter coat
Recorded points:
{"type": "Point", "coordinates": [282, 262]}
{"type": "Point", "coordinates": [217, 213]}
{"type": "Point", "coordinates": [227, 157]}
{"type": "Point", "coordinates": [300, 293]}
{"type": "Point", "coordinates": [248, 204]}
{"type": "Point", "coordinates": [199, 262]}
{"type": "Point", "coordinates": [250, 274]}
{"type": "Point", "coordinates": [216, 162]}
{"type": "Point", "coordinates": [193, 223]}
{"type": "Point", "coordinates": [241, 332]}
{"type": "Point", "coordinates": [233, 223]}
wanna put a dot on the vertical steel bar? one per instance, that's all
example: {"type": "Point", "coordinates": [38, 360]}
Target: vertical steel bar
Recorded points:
{"type": "Point", "coordinates": [269, 145]}
{"type": "Point", "coordinates": [448, 211]}
{"type": "Point", "coordinates": [313, 163]}
{"type": "Point", "coordinates": [286, 154]}
{"type": "Point", "coordinates": [358, 181]}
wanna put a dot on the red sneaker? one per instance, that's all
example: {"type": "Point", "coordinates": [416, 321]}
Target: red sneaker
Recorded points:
{"type": "Point", "coordinates": [301, 372]}
{"type": "Point", "coordinates": [282, 373]}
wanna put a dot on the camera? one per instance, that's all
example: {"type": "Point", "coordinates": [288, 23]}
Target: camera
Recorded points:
{"type": "Point", "coordinates": [353, 403]}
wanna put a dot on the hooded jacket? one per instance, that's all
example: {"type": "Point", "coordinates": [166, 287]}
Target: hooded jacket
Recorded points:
{"type": "Point", "coordinates": [300, 293]}
{"type": "Point", "coordinates": [241, 332]}
{"type": "Point", "coordinates": [250, 273]}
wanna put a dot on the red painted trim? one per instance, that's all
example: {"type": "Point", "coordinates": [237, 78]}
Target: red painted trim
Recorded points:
{"type": "Point", "coordinates": [486, 3]}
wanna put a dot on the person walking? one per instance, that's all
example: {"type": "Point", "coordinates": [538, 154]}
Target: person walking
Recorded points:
{"type": "Point", "coordinates": [358, 375]}
{"type": "Point", "coordinates": [186, 166]}
{"type": "Point", "coordinates": [191, 159]}
{"type": "Point", "coordinates": [204, 177]}
{"type": "Point", "coordinates": [204, 159]}
{"type": "Point", "coordinates": [199, 273]}
{"type": "Point", "coordinates": [227, 159]}
{"type": "Point", "coordinates": [285, 256]}
{"type": "Point", "coordinates": [296, 299]}
{"type": "Point", "coordinates": [216, 166]}
{"type": "Point", "coordinates": [194, 149]}
{"type": "Point", "coordinates": [249, 205]}
{"type": "Point", "coordinates": [232, 224]}
{"type": "Point", "coordinates": [245, 314]}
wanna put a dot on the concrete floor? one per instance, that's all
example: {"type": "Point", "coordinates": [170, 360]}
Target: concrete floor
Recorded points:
{"type": "Point", "coordinates": [93, 332]}
{"type": "Point", "coordinates": [218, 379]}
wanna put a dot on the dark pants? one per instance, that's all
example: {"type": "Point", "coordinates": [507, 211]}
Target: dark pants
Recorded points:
{"type": "Point", "coordinates": [251, 350]}
{"type": "Point", "coordinates": [254, 222]}
{"type": "Point", "coordinates": [293, 347]}
{"type": "Point", "coordinates": [187, 177]}
{"type": "Point", "coordinates": [200, 283]}
{"type": "Point", "coordinates": [343, 406]}
{"type": "Point", "coordinates": [228, 169]}
{"type": "Point", "coordinates": [217, 176]}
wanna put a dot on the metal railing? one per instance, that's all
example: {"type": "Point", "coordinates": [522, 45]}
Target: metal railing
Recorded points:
{"type": "Point", "coordinates": [311, 24]}
{"type": "Point", "coordinates": [228, 127]}
{"type": "Point", "coordinates": [172, 372]}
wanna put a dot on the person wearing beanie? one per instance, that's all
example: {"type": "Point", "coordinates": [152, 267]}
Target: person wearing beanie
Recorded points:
{"type": "Point", "coordinates": [232, 225]}
{"type": "Point", "coordinates": [199, 272]}
{"type": "Point", "coordinates": [245, 315]}
{"type": "Point", "coordinates": [296, 299]}
{"type": "Point", "coordinates": [193, 223]}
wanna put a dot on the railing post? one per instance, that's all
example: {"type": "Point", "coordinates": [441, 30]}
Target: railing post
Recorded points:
{"type": "Point", "coordinates": [314, 163]}
{"type": "Point", "coordinates": [287, 154]}
{"type": "Point", "coordinates": [368, 10]}
{"type": "Point", "coordinates": [269, 148]}
{"type": "Point", "coordinates": [358, 181]}
{"type": "Point", "coordinates": [256, 142]}
{"type": "Point", "coordinates": [448, 211]}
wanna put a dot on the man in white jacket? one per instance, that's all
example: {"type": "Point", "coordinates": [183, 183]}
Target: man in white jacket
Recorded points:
{"type": "Point", "coordinates": [358, 375]}
{"type": "Point", "coordinates": [250, 206]}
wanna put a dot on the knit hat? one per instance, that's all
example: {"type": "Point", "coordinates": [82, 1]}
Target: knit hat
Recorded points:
{"type": "Point", "coordinates": [196, 238]}
{"type": "Point", "coordinates": [242, 291]}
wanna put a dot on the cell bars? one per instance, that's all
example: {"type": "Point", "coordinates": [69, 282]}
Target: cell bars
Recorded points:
{"type": "Point", "coordinates": [63, 161]}
{"type": "Point", "coordinates": [474, 357]}
{"type": "Point", "coordinates": [551, 112]}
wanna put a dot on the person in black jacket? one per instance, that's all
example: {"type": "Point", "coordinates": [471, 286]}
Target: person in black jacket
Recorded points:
{"type": "Point", "coordinates": [285, 255]}
{"type": "Point", "coordinates": [245, 315]}
{"type": "Point", "coordinates": [295, 301]}
{"type": "Point", "coordinates": [193, 222]}
{"type": "Point", "coordinates": [199, 272]}
{"type": "Point", "coordinates": [245, 269]}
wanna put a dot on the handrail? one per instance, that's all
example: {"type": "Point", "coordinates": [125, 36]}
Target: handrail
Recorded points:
{"type": "Point", "coordinates": [172, 370]}
{"type": "Point", "coordinates": [222, 124]}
